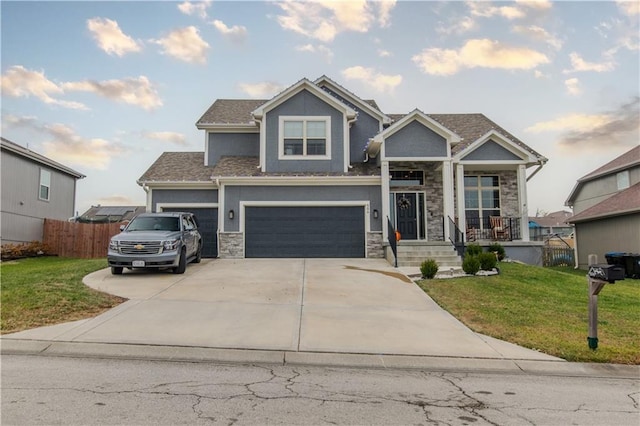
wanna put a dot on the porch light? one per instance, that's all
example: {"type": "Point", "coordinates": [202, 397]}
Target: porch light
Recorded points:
{"type": "Point", "coordinates": [231, 214]}
{"type": "Point", "coordinates": [375, 214]}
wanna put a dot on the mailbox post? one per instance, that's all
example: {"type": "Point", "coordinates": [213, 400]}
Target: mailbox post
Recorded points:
{"type": "Point", "coordinates": [598, 276]}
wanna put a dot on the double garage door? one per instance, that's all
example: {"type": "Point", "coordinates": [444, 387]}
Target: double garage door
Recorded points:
{"type": "Point", "coordinates": [299, 232]}
{"type": "Point", "coordinates": [207, 225]}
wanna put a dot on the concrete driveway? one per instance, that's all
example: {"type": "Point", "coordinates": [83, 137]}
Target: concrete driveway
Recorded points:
{"type": "Point", "coordinates": [353, 306]}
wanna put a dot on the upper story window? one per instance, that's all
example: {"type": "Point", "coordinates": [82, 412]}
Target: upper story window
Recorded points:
{"type": "Point", "coordinates": [305, 137]}
{"type": "Point", "coordinates": [45, 185]}
{"type": "Point", "coordinates": [622, 179]}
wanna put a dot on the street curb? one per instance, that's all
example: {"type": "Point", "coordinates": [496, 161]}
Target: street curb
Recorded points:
{"type": "Point", "coordinates": [343, 360]}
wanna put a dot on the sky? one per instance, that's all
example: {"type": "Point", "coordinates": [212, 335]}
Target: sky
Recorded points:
{"type": "Point", "coordinates": [106, 87]}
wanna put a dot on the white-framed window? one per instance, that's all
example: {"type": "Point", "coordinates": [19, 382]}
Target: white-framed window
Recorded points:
{"type": "Point", "coordinates": [481, 200]}
{"type": "Point", "coordinates": [44, 192]}
{"type": "Point", "coordinates": [305, 137]}
{"type": "Point", "coordinates": [622, 179]}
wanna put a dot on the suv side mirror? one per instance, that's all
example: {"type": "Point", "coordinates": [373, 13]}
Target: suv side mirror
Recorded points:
{"type": "Point", "coordinates": [122, 227]}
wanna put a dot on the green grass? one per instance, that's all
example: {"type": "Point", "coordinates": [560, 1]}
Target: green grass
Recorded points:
{"type": "Point", "coordinates": [546, 309]}
{"type": "Point", "coordinates": [49, 290]}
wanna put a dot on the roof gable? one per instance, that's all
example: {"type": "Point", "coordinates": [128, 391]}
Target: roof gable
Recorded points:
{"type": "Point", "coordinates": [624, 202]}
{"type": "Point", "coordinates": [497, 144]}
{"type": "Point", "coordinates": [301, 85]}
{"type": "Point", "coordinates": [38, 158]}
{"type": "Point", "coordinates": [325, 81]}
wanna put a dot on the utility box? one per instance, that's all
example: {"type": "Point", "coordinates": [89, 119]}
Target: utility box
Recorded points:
{"type": "Point", "coordinates": [604, 272]}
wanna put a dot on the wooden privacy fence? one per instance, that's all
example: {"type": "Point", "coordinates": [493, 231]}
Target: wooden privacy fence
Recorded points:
{"type": "Point", "coordinates": [83, 240]}
{"type": "Point", "coordinates": [557, 256]}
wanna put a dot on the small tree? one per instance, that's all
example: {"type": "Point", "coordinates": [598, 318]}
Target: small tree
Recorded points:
{"type": "Point", "coordinates": [471, 265]}
{"type": "Point", "coordinates": [429, 269]}
{"type": "Point", "coordinates": [487, 261]}
{"type": "Point", "coordinates": [497, 248]}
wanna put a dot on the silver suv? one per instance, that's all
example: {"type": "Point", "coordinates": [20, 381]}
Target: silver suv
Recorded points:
{"type": "Point", "coordinates": [156, 240]}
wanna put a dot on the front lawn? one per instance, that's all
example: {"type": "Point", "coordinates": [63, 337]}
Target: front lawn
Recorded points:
{"type": "Point", "coordinates": [546, 309]}
{"type": "Point", "coordinates": [49, 290]}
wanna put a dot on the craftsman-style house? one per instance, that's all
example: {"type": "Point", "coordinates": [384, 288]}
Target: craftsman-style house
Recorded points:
{"type": "Point", "coordinates": [317, 171]}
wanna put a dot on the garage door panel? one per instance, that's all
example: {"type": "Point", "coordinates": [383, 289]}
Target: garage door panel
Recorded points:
{"type": "Point", "coordinates": [207, 226]}
{"type": "Point", "coordinates": [304, 232]}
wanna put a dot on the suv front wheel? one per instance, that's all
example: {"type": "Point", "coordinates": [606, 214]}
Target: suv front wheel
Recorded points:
{"type": "Point", "coordinates": [182, 263]}
{"type": "Point", "coordinates": [116, 270]}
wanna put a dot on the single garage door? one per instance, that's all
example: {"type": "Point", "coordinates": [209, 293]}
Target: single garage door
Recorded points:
{"type": "Point", "coordinates": [207, 225]}
{"type": "Point", "coordinates": [304, 232]}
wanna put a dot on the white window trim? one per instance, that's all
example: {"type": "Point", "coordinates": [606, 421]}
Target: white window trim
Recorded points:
{"type": "Point", "coordinates": [303, 118]}
{"type": "Point", "coordinates": [41, 184]}
{"type": "Point", "coordinates": [479, 189]}
{"type": "Point", "coordinates": [622, 180]}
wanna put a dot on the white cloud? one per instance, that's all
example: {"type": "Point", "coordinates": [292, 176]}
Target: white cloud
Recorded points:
{"type": "Point", "coordinates": [134, 91]}
{"type": "Point", "coordinates": [67, 147]}
{"type": "Point", "coordinates": [198, 8]}
{"type": "Point", "coordinates": [457, 26]}
{"type": "Point", "coordinates": [482, 53]}
{"type": "Point", "coordinates": [573, 86]}
{"type": "Point", "coordinates": [540, 74]}
{"type": "Point", "coordinates": [171, 137]}
{"type": "Point", "coordinates": [570, 122]}
{"type": "Point", "coordinates": [384, 53]}
{"type": "Point", "coordinates": [116, 200]}
{"type": "Point", "coordinates": [323, 20]}
{"type": "Point", "coordinates": [18, 82]}
{"type": "Point", "coordinates": [629, 7]}
{"type": "Point", "coordinates": [321, 49]}
{"type": "Point", "coordinates": [236, 34]}
{"type": "Point", "coordinates": [369, 76]}
{"type": "Point", "coordinates": [539, 34]}
{"type": "Point", "coordinates": [265, 89]}
{"type": "Point", "coordinates": [487, 10]}
{"type": "Point", "coordinates": [110, 37]}
{"type": "Point", "coordinates": [578, 65]}
{"type": "Point", "coordinates": [185, 44]}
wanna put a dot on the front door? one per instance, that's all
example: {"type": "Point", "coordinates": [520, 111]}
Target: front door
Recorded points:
{"type": "Point", "coordinates": [406, 214]}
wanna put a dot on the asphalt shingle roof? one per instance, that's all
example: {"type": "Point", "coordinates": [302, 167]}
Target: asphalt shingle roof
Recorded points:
{"type": "Point", "coordinates": [178, 167]}
{"type": "Point", "coordinates": [625, 160]}
{"type": "Point", "coordinates": [231, 111]}
{"type": "Point", "coordinates": [249, 166]}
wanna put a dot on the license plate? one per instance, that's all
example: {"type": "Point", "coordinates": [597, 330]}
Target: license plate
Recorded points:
{"type": "Point", "coordinates": [138, 264]}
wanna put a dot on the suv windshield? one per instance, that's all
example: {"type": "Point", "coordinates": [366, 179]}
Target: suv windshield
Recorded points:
{"type": "Point", "coordinates": [154, 224]}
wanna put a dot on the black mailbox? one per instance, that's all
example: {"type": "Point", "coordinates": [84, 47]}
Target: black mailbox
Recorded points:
{"type": "Point", "coordinates": [610, 273]}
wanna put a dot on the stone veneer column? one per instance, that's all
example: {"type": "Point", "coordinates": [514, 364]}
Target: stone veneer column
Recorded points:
{"type": "Point", "coordinates": [231, 245]}
{"type": "Point", "coordinates": [375, 248]}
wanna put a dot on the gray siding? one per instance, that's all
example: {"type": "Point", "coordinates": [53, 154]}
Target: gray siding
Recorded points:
{"type": "Point", "coordinates": [183, 196]}
{"type": "Point", "coordinates": [490, 150]}
{"type": "Point", "coordinates": [304, 103]}
{"type": "Point", "coordinates": [235, 194]}
{"type": "Point", "coordinates": [22, 211]}
{"type": "Point", "coordinates": [415, 140]}
{"type": "Point", "coordinates": [232, 144]}
{"type": "Point", "coordinates": [600, 189]}
{"type": "Point", "coordinates": [621, 233]}
{"type": "Point", "coordinates": [364, 128]}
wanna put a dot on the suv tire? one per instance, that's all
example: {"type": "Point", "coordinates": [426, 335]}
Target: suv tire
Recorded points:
{"type": "Point", "coordinates": [116, 270]}
{"type": "Point", "coordinates": [182, 263]}
{"type": "Point", "coordinates": [198, 254]}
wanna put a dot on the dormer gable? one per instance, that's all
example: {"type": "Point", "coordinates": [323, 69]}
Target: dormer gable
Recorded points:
{"type": "Point", "coordinates": [495, 147]}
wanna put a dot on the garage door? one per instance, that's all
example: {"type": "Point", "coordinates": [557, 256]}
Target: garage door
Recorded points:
{"type": "Point", "coordinates": [304, 232]}
{"type": "Point", "coordinates": [207, 225]}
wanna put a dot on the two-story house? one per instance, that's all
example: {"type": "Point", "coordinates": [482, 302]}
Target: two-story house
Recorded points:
{"type": "Point", "coordinates": [606, 208]}
{"type": "Point", "coordinates": [34, 187]}
{"type": "Point", "coordinates": [317, 171]}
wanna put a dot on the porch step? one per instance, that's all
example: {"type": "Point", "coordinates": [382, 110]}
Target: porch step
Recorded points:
{"type": "Point", "coordinates": [412, 254]}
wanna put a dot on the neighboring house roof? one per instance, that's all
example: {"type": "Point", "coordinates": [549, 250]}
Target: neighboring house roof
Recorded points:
{"type": "Point", "coordinates": [249, 166]}
{"type": "Point", "coordinates": [106, 214]}
{"type": "Point", "coordinates": [177, 167]}
{"type": "Point", "coordinates": [624, 202]}
{"type": "Point", "coordinates": [34, 156]}
{"type": "Point", "coordinates": [625, 161]}
{"type": "Point", "coordinates": [553, 220]}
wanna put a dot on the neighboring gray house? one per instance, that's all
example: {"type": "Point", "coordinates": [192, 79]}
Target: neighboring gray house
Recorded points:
{"type": "Point", "coordinates": [606, 208]}
{"type": "Point", "coordinates": [110, 214]}
{"type": "Point", "coordinates": [554, 223]}
{"type": "Point", "coordinates": [34, 187]}
{"type": "Point", "coordinates": [318, 172]}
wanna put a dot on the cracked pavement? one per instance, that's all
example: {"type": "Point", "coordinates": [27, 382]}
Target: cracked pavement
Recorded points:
{"type": "Point", "coordinates": [50, 390]}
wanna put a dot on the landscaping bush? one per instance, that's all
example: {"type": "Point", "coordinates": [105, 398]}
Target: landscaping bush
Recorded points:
{"type": "Point", "coordinates": [19, 251]}
{"type": "Point", "coordinates": [429, 268]}
{"type": "Point", "coordinates": [497, 248]}
{"type": "Point", "coordinates": [487, 261]}
{"type": "Point", "coordinates": [473, 249]}
{"type": "Point", "coordinates": [471, 265]}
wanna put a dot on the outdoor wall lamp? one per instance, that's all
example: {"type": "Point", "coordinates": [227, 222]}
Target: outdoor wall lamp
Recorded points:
{"type": "Point", "coordinates": [375, 214]}
{"type": "Point", "coordinates": [231, 214]}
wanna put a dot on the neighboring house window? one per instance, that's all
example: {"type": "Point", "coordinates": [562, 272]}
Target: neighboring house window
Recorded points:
{"type": "Point", "coordinates": [307, 137]}
{"type": "Point", "coordinates": [481, 199]}
{"type": "Point", "coordinates": [45, 185]}
{"type": "Point", "coordinates": [623, 180]}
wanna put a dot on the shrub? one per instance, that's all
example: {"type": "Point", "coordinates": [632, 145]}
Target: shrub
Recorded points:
{"type": "Point", "coordinates": [429, 268]}
{"type": "Point", "coordinates": [470, 265]}
{"type": "Point", "coordinates": [487, 261]}
{"type": "Point", "coordinates": [473, 249]}
{"type": "Point", "coordinates": [18, 251]}
{"type": "Point", "coordinates": [497, 248]}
